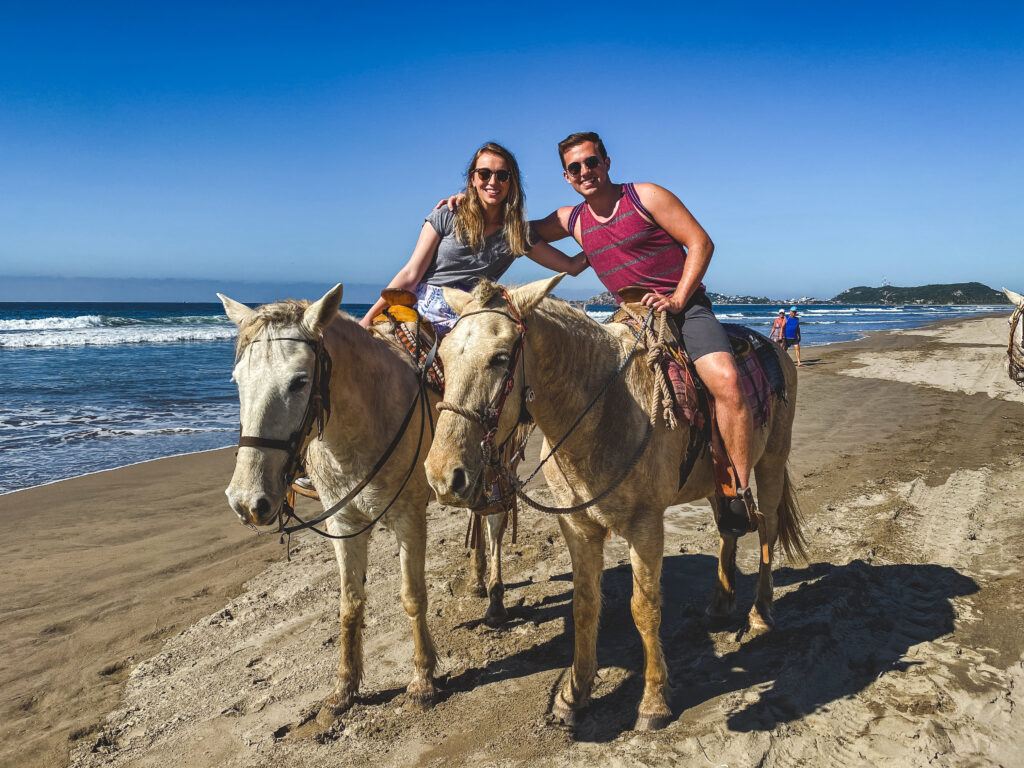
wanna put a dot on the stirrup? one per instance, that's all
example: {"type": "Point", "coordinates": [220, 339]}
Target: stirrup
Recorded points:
{"type": "Point", "coordinates": [737, 514]}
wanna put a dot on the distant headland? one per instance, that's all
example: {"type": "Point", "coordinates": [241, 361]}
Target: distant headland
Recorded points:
{"type": "Point", "coordinates": [945, 293]}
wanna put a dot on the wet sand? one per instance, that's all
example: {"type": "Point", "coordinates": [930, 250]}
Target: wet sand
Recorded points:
{"type": "Point", "coordinates": [899, 644]}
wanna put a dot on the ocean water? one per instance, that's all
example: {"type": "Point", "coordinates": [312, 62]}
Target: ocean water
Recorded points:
{"type": "Point", "coordinates": [89, 387]}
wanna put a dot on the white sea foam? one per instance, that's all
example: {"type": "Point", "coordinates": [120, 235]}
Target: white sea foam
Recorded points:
{"type": "Point", "coordinates": [98, 336]}
{"type": "Point", "coordinates": [52, 323]}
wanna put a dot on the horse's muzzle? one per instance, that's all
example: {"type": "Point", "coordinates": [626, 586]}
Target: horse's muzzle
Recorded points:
{"type": "Point", "coordinates": [458, 485]}
{"type": "Point", "coordinates": [255, 509]}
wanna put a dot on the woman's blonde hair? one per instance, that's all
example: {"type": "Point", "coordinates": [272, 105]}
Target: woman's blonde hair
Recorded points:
{"type": "Point", "coordinates": [469, 218]}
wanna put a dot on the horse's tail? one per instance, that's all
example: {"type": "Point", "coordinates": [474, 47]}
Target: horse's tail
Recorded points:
{"type": "Point", "coordinates": [790, 535]}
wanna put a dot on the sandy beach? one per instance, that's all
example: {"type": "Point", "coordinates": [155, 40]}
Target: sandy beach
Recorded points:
{"type": "Point", "coordinates": [144, 626]}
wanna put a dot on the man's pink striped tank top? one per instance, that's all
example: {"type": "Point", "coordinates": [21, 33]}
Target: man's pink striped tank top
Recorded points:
{"type": "Point", "coordinates": [629, 249]}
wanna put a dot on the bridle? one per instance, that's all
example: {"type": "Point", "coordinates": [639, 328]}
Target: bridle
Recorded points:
{"type": "Point", "coordinates": [490, 415]}
{"type": "Point", "coordinates": [318, 410]}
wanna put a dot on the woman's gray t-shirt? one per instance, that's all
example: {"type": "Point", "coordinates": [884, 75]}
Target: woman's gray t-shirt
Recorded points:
{"type": "Point", "coordinates": [456, 264]}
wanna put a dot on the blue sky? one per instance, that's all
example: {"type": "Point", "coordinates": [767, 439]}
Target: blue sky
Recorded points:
{"type": "Point", "coordinates": [821, 145]}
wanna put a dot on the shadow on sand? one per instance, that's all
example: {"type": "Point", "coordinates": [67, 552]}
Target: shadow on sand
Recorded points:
{"type": "Point", "coordinates": [836, 632]}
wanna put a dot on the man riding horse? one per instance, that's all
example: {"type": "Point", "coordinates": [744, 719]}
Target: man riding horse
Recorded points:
{"type": "Point", "coordinates": [642, 235]}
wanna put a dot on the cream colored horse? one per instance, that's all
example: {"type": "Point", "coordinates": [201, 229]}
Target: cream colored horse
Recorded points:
{"type": "Point", "coordinates": [567, 359]}
{"type": "Point", "coordinates": [1015, 350]}
{"type": "Point", "coordinates": [372, 386]}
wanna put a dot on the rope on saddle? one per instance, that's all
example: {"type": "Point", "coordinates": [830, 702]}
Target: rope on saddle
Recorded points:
{"type": "Point", "coordinates": [657, 351]}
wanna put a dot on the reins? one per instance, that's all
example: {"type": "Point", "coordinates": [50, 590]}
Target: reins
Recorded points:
{"type": "Point", "coordinates": [318, 408]}
{"type": "Point", "coordinates": [491, 414]}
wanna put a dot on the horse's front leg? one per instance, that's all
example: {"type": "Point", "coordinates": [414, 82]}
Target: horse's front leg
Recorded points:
{"type": "Point", "coordinates": [351, 556]}
{"type": "Point", "coordinates": [496, 613]}
{"type": "Point", "coordinates": [411, 532]}
{"type": "Point", "coordinates": [724, 600]}
{"type": "Point", "coordinates": [476, 584]}
{"type": "Point", "coordinates": [585, 540]}
{"type": "Point", "coordinates": [646, 545]}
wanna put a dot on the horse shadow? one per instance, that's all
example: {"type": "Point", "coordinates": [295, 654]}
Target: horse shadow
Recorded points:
{"type": "Point", "coordinates": [841, 628]}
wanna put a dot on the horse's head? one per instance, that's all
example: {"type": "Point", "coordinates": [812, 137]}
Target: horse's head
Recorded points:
{"type": "Point", "coordinates": [483, 368]}
{"type": "Point", "coordinates": [275, 365]}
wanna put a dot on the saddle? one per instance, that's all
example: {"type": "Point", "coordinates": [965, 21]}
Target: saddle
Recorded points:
{"type": "Point", "coordinates": [400, 321]}
{"type": "Point", "coordinates": [760, 377]}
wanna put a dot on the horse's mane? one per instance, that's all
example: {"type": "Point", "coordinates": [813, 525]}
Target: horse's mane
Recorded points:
{"type": "Point", "coordinates": [485, 291]}
{"type": "Point", "coordinates": [286, 312]}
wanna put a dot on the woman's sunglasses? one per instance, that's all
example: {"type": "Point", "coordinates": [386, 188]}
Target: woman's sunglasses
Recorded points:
{"type": "Point", "coordinates": [574, 169]}
{"type": "Point", "coordinates": [485, 174]}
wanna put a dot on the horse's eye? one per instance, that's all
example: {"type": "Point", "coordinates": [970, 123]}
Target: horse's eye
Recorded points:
{"type": "Point", "coordinates": [298, 383]}
{"type": "Point", "coordinates": [501, 358]}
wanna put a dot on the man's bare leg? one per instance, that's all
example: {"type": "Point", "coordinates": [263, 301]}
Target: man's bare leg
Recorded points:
{"type": "Point", "coordinates": [718, 372]}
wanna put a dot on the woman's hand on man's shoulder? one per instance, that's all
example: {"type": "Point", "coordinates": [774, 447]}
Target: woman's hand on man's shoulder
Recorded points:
{"type": "Point", "coordinates": [452, 202]}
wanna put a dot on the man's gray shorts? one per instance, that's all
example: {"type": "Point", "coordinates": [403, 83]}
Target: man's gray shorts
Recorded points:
{"type": "Point", "coordinates": [701, 332]}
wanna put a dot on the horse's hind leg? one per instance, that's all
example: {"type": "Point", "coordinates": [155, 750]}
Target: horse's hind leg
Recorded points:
{"type": "Point", "coordinates": [351, 556]}
{"type": "Point", "coordinates": [411, 533]}
{"type": "Point", "coordinates": [770, 473]}
{"type": "Point", "coordinates": [646, 547]}
{"type": "Point", "coordinates": [496, 613]}
{"type": "Point", "coordinates": [724, 600]}
{"type": "Point", "coordinates": [585, 540]}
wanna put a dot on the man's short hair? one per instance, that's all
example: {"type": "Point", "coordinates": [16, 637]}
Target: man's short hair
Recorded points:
{"type": "Point", "coordinates": [573, 139]}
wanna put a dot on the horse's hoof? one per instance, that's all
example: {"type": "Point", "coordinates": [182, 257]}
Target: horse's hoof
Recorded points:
{"type": "Point", "coordinates": [421, 694]}
{"type": "Point", "coordinates": [339, 702]}
{"type": "Point", "coordinates": [562, 712]}
{"type": "Point", "coordinates": [495, 617]}
{"type": "Point", "coordinates": [760, 622]}
{"type": "Point", "coordinates": [652, 722]}
{"type": "Point", "coordinates": [326, 717]}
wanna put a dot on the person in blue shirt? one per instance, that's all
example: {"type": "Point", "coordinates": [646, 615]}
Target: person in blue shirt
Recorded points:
{"type": "Point", "coordinates": [791, 333]}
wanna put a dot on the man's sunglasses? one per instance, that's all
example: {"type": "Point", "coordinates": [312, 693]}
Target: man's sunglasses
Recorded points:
{"type": "Point", "coordinates": [574, 169]}
{"type": "Point", "coordinates": [485, 174]}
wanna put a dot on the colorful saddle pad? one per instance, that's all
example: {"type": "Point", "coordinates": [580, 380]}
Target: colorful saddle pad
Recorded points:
{"type": "Point", "coordinates": [760, 376]}
{"type": "Point", "coordinates": [416, 335]}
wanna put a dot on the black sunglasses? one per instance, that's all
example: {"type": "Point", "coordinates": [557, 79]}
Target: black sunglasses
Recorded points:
{"type": "Point", "coordinates": [485, 174]}
{"type": "Point", "coordinates": [574, 169]}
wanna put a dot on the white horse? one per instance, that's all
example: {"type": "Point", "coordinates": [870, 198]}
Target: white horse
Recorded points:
{"type": "Point", "coordinates": [1015, 349]}
{"type": "Point", "coordinates": [566, 358]}
{"type": "Point", "coordinates": [372, 387]}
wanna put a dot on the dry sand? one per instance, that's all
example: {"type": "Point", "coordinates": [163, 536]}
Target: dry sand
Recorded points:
{"type": "Point", "coordinates": [142, 626]}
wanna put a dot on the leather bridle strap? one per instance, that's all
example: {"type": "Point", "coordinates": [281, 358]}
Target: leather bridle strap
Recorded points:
{"type": "Point", "coordinates": [421, 398]}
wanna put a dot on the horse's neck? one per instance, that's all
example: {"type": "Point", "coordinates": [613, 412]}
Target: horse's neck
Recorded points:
{"type": "Point", "coordinates": [372, 384]}
{"type": "Point", "coordinates": [568, 360]}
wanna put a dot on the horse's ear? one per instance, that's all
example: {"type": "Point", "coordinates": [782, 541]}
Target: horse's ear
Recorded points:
{"type": "Point", "coordinates": [1016, 298]}
{"type": "Point", "coordinates": [456, 299]}
{"type": "Point", "coordinates": [528, 296]}
{"type": "Point", "coordinates": [319, 314]}
{"type": "Point", "coordinates": [238, 313]}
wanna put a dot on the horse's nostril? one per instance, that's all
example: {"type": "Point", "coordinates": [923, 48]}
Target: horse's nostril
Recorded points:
{"type": "Point", "coordinates": [460, 481]}
{"type": "Point", "coordinates": [262, 507]}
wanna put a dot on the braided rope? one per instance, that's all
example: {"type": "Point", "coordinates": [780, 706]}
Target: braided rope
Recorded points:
{"type": "Point", "coordinates": [466, 413]}
{"type": "Point", "coordinates": [662, 398]}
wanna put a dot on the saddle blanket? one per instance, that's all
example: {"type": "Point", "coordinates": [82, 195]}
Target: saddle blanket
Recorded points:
{"type": "Point", "coordinates": [760, 377]}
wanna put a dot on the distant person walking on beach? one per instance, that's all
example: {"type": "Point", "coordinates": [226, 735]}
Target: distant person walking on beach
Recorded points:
{"type": "Point", "coordinates": [791, 333]}
{"type": "Point", "coordinates": [481, 239]}
{"type": "Point", "coordinates": [778, 326]}
{"type": "Point", "coordinates": [642, 234]}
